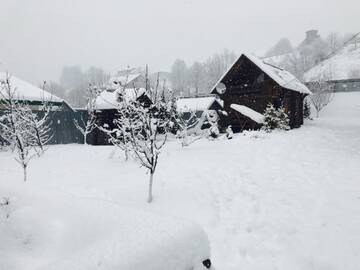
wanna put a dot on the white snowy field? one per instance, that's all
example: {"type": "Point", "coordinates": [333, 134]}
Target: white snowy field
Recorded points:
{"type": "Point", "coordinates": [286, 200]}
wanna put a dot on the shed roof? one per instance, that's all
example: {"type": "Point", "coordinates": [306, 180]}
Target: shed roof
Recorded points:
{"type": "Point", "coordinates": [195, 103]}
{"type": "Point", "coordinates": [282, 77]}
{"type": "Point", "coordinates": [25, 90]}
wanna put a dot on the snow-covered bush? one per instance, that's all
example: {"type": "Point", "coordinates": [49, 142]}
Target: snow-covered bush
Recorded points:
{"type": "Point", "coordinates": [275, 119]}
{"type": "Point", "coordinates": [229, 132]}
{"type": "Point", "coordinates": [212, 118]}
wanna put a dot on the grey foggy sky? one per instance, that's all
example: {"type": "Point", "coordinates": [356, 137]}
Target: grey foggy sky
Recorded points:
{"type": "Point", "coordinates": [39, 37]}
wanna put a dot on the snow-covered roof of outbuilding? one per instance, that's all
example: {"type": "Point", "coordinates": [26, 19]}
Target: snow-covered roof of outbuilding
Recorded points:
{"type": "Point", "coordinates": [124, 80]}
{"type": "Point", "coordinates": [282, 77]}
{"type": "Point", "coordinates": [25, 90]}
{"type": "Point", "coordinates": [109, 99]}
{"type": "Point", "coordinates": [196, 103]}
{"type": "Point", "coordinates": [250, 113]}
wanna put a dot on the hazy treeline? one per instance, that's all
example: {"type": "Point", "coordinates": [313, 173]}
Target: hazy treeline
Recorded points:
{"type": "Point", "coordinates": [199, 77]}
{"type": "Point", "coordinates": [74, 81]}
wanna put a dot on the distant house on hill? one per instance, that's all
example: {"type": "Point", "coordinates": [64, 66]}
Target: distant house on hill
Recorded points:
{"type": "Point", "coordinates": [342, 69]}
{"type": "Point", "coordinates": [250, 85]}
{"type": "Point", "coordinates": [128, 78]}
{"type": "Point", "coordinates": [107, 105]}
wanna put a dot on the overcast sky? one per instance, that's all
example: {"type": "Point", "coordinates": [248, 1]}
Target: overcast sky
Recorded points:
{"type": "Point", "coordinates": [39, 37]}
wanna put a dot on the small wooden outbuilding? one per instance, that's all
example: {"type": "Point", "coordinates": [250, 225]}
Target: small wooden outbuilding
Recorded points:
{"type": "Point", "coordinates": [253, 84]}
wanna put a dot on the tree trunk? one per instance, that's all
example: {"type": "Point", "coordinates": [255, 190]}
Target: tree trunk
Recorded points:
{"type": "Point", "coordinates": [85, 135]}
{"type": "Point", "coordinates": [150, 196]}
{"type": "Point", "coordinates": [25, 172]}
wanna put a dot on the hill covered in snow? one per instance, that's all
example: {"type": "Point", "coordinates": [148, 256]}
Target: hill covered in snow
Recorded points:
{"type": "Point", "coordinates": [344, 65]}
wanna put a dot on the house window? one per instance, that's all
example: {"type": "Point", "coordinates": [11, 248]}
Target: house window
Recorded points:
{"type": "Point", "coordinates": [277, 102]}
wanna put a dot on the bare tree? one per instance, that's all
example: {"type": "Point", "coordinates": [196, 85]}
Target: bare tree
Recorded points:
{"type": "Point", "coordinates": [322, 94]}
{"type": "Point", "coordinates": [16, 126]}
{"type": "Point", "coordinates": [87, 125]}
{"type": "Point", "coordinates": [142, 130]}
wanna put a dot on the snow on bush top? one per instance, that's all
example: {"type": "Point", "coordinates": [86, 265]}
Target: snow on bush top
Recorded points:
{"type": "Point", "coordinates": [279, 75]}
{"type": "Point", "coordinates": [195, 104]}
{"type": "Point", "coordinates": [25, 90]}
{"type": "Point", "coordinates": [254, 115]}
{"type": "Point", "coordinates": [342, 66]}
{"type": "Point", "coordinates": [110, 99]}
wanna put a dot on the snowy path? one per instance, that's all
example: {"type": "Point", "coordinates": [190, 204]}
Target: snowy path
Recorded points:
{"type": "Point", "coordinates": [279, 201]}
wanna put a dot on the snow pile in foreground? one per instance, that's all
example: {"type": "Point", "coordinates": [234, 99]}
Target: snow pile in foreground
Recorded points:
{"type": "Point", "coordinates": [57, 231]}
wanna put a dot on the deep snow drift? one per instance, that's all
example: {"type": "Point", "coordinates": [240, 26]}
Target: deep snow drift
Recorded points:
{"type": "Point", "coordinates": [286, 200]}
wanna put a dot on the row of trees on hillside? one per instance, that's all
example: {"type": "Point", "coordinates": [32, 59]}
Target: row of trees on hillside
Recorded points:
{"type": "Point", "coordinates": [310, 52]}
{"type": "Point", "coordinates": [200, 76]}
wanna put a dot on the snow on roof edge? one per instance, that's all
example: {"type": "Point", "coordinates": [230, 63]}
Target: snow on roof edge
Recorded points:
{"type": "Point", "coordinates": [298, 87]}
{"type": "Point", "coordinates": [248, 112]}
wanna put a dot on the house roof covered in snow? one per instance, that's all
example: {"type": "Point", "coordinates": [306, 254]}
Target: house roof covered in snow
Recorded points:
{"type": "Point", "coordinates": [124, 80]}
{"type": "Point", "coordinates": [250, 113]}
{"type": "Point", "coordinates": [196, 103]}
{"type": "Point", "coordinates": [25, 91]}
{"type": "Point", "coordinates": [343, 65]}
{"type": "Point", "coordinates": [110, 99]}
{"type": "Point", "coordinates": [282, 77]}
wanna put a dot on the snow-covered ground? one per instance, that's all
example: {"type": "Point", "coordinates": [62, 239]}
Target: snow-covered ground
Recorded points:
{"type": "Point", "coordinates": [286, 200]}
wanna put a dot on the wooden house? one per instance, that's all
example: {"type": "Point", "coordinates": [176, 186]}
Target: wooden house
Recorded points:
{"type": "Point", "coordinates": [250, 85]}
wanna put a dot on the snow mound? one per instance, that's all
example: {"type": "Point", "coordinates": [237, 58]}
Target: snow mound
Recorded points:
{"type": "Point", "coordinates": [342, 66]}
{"type": "Point", "coordinates": [26, 91]}
{"type": "Point", "coordinates": [246, 111]}
{"type": "Point", "coordinates": [71, 233]}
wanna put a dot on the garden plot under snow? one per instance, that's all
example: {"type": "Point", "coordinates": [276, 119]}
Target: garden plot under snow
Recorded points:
{"type": "Point", "coordinates": [286, 200]}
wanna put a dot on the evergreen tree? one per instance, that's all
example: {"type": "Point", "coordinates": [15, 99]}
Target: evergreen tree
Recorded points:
{"type": "Point", "coordinates": [275, 119]}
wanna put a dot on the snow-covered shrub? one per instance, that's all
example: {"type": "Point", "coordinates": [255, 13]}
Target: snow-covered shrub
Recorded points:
{"type": "Point", "coordinates": [212, 118]}
{"type": "Point", "coordinates": [275, 119]}
{"type": "Point", "coordinates": [229, 132]}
